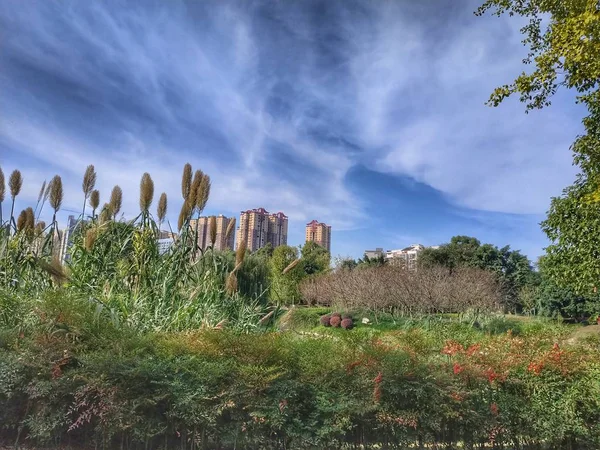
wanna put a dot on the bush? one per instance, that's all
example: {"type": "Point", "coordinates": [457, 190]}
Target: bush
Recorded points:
{"type": "Point", "coordinates": [347, 324]}
{"type": "Point", "coordinates": [396, 290]}
{"type": "Point", "coordinates": [335, 321]}
{"type": "Point", "coordinates": [325, 320]}
{"type": "Point", "coordinates": [450, 385]}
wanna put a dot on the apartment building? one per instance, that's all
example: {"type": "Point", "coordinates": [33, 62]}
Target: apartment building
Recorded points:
{"type": "Point", "coordinates": [65, 238]}
{"type": "Point", "coordinates": [319, 233]}
{"type": "Point", "coordinates": [406, 257]}
{"type": "Point", "coordinates": [203, 239]}
{"type": "Point", "coordinates": [258, 227]}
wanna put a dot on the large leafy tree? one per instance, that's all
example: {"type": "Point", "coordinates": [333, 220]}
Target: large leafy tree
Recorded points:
{"type": "Point", "coordinates": [513, 269]}
{"type": "Point", "coordinates": [315, 259]}
{"type": "Point", "coordinates": [563, 37]}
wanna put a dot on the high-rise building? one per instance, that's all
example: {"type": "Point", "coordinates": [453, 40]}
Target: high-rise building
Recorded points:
{"type": "Point", "coordinates": [66, 238]}
{"type": "Point", "coordinates": [406, 257]}
{"type": "Point", "coordinates": [319, 233]}
{"type": "Point", "coordinates": [258, 227]}
{"type": "Point", "coordinates": [222, 242]}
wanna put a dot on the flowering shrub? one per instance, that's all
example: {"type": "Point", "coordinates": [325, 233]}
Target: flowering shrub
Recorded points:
{"type": "Point", "coordinates": [324, 320]}
{"type": "Point", "coordinates": [451, 386]}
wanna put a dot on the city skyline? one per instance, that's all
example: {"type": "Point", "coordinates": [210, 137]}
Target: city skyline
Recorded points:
{"type": "Point", "coordinates": [386, 130]}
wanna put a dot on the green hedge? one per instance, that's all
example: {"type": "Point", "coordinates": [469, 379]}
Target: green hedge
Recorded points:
{"type": "Point", "coordinates": [451, 385]}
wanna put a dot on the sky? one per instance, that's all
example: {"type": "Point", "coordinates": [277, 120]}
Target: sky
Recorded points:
{"type": "Point", "coordinates": [369, 116]}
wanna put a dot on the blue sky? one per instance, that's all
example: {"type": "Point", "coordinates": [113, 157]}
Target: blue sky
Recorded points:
{"type": "Point", "coordinates": [367, 115]}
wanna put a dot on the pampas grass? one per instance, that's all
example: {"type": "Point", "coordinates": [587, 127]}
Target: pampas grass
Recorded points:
{"type": "Point", "coordinates": [198, 175]}
{"type": "Point", "coordinates": [146, 192]}
{"type": "Point", "coordinates": [88, 184]}
{"type": "Point", "coordinates": [94, 201]}
{"type": "Point", "coordinates": [203, 193]}
{"type": "Point", "coordinates": [230, 228]}
{"type": "Point", "coordinates": [15, 182]}
{"type": "Point", "coordinates": [291, 266]}
{"type": "Point", "coordinates": [161, 210]}
{"type": "Point", "coordinates": [56, 193]}
{"type": "Point", "coordinates": [116, 201]}
{"type": "Point", "coordinates": [240, 253]}
{"type": "Point", "coordinates": [106, 214]}
{"type": "Point", "coordinates": [186, 181]}
{"type": "Point", "coordinates": [212, 229]}
{"type": "Point", "coordinates": [2, 192]}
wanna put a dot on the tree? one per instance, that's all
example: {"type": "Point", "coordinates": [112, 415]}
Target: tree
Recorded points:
{"type": "Point", "coordinates": [564, 49]}
{"type": "Point", "coordinates": [377, 261]}
{"type": "Point", "coordinates": [284, 277]}
{"type": "Point", "coordinates": [315, 259]}
{"type": "Point", "coordinates": [512, 268]}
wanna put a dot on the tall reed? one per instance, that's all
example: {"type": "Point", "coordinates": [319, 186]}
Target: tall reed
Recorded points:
{"type": "Point", "coordinates": [88, 184]}
{"type": "Point", "coordinates": [2, 194]}
{"type": "Point", "coordinates": [15, 183]}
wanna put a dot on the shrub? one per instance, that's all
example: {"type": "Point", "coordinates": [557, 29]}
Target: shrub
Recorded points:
{"type": "Point", "coordinates": [325, 320]}
{"type": "Point", "coordinates": [335, 321]}
{"type": "Point", "coordinates": [347, 324]}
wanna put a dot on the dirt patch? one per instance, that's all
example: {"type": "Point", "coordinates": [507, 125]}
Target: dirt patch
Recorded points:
{"type": "Point", "coordinates": [583, 333]}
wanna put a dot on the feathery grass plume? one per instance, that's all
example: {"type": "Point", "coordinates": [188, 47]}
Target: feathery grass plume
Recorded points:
{"type": "Point", "coordinates": [2, 192]}
{"type": "Point", "coordinates": [231, 285]}
{"type": "Point", "coordinates": [15, 183]}
{"type": "Point", "coordinates": [230, 228]}
{"type": "Point", "coordinates": [41, 194]}
{"type": "Point", "coordinates": [116, 201]}
{"type": "Point", "coordinates": [90, 238]}
{"type": "Point", "coordinates": [146, 192]}
{"type": "Point", "coordinates": [56, 193]}
{"type": "Point", "coordinates": [106, 214]}
{"type": "Point", "coordinates": [161, 210]}
{"type": "Point", "coordinates": [290, 266]}
{"type": "Point", "coordinates": [240, 253]}
{"type": "Point", "coordinates": [203, 193]}
{"type": "Point", "coordinates": [186, 181]}
{"type": "Point", "coordinates": [194, 188]}
{"type": "Point", "coordinates": [54, 269]}
{"type": "Point", "coordinates": [212, 229]}
{"type": "Point", "coordinates": [184, 214]}
{"type": "Point", "coordinates": [94, 201]}
{"type": "Point", "coordinates": [40, 227]}
{"type": "Point", "coordinates": [89, 181]}
{"type": "Point", "coordinates": [2, 186]}
{"type": "Point", "coordinates": [30, 217]}
{"type": "Point", "coordinates": [21, 221]}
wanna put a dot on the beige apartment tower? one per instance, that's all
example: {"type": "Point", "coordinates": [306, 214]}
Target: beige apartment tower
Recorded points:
{"type": "Point", "coordinates": [258, 227]}
{"type": "Point", "coordinates": [203, 239]}
{"type": "Point", "coordinates": [319, 233]}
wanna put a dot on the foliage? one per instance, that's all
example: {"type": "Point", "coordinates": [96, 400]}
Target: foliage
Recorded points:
{"type": "Point", "coordinates": [563, 37]}
{"type": "Point", "coordinates": [315, 258]}
{"type": "Point", "coordinates": [451, 385]}
{"type": "Point", "coordinates": [284, 286]}
{"type": "Point", "coordinates": [401, 292]}
{"type": "Point", "coordinates": [116, 267]}
{"type": "Point", "coordinates": [513, 269]}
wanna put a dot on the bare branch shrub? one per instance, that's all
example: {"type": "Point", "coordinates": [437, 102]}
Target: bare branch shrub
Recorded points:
{"type": "Point", "coordinates": [398, 291]}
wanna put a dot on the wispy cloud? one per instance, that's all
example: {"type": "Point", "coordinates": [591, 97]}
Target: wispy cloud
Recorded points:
{"type": "Point", "coordinates": [278, 102]}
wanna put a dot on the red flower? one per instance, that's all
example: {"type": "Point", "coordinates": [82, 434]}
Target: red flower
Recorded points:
{"type": "Point", "coordinates": [457, 368]}
{"type": "Point", "coordinates": [451, 348]}
{"type": "Point", "coordinates": [535, 367]}
{"type": "Point", "coordinates": [491, 375]}
{"type": "Point", "coordinates": [473, 349]}
{"type": "Point", "coordinates": [494, 409]}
